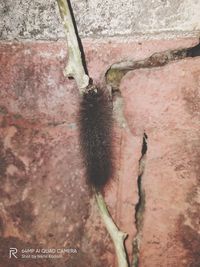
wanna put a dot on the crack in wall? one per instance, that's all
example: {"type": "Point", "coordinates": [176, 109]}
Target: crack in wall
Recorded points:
{"type": "Point", "coordinates": [140, 206]}
{"type": "Point", "coordinates": [118, 70]}
{"type": "Point", "coordinates": [113, 79]}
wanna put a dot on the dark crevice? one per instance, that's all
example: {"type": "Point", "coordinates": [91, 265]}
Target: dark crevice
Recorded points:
{"type": "Point", "coordinates": [194, 51]}
{"type": "Point", "coordinates": [113, 79]}
{"type": "Point", "coordinates": [78, 38]}
{"type": "Point", "coordinates": [127, 257]}
{"type": "Point", "coordinates": [140, 206]}
{"type": "Point", "coordinates": [118, 70]}
{"type": "Point", "coordinates": [144, 145]}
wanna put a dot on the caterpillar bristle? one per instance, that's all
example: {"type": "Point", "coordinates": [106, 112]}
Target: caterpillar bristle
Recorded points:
{"type": "Point", "coordinates": [95, 125]}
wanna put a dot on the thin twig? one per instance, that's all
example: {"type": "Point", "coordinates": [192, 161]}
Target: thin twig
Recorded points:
{"type": "Point", "coordinates": [74, 66]}
{"type": "Point", "coordinates": [116, 235]}
{"type": "Point", "coordinates": [76, 70]}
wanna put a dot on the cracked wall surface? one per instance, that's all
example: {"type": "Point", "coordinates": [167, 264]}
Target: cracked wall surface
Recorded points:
{"type": "Point", "coordinates": [42, 182]}
{"type": "Point", "coordinates": [40, 19]}
{"type": "Point", "coordinates": [154, 193]}
{"type": "Point", "coordinates": [171, 177]}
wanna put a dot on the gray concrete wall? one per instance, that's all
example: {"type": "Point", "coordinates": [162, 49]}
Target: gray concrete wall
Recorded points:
{"type": "Point", "coordinates": [39, 19]}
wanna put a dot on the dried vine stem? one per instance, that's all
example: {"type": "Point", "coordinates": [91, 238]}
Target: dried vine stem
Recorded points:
{"type": "Point", "coordinates": [76, 70]}
{"type": "Point", "coordinates": [117, 236]}
{"type": "Point", "coordinates": [74, 66]}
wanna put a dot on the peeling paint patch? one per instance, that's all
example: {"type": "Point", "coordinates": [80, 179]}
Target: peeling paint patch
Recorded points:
{"type": "Point", "coordinates": [190, 239]}
{"type": "Point", "coordinates": [192, 97]}
{"type": "Point", "coordinates": [22, 214]}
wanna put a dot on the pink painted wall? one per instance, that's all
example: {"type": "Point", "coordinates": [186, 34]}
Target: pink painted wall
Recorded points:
{"type": "Point", "coordinates": [45, 202]}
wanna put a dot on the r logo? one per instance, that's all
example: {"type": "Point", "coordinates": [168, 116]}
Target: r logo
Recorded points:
{"type": "Point", "coordinates": [12, 253]}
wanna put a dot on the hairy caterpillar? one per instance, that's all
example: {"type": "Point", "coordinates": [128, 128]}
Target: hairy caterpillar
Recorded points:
{"type": "Point", "coordinates": [95, 124]}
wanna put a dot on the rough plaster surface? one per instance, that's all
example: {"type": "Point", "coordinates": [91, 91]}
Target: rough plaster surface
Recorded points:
{"type": "Point", "coordinates": [29, 19]}
{"type": "Point", "coordinates": [165, 104]}
{"type": "Point", "coordinates": [45, 202]}
{"type": "Point", "coordinates": [42, 179]}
